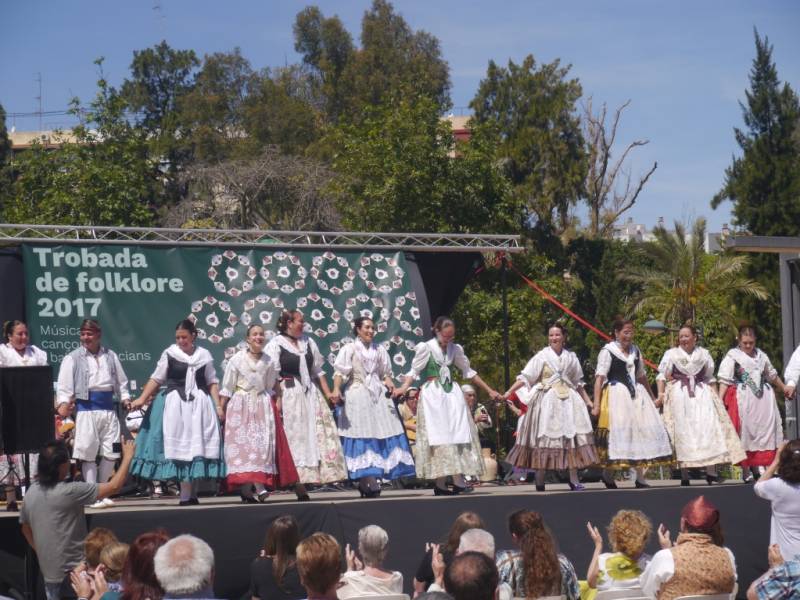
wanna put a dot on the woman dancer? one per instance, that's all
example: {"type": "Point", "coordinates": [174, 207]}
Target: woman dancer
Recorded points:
{"type": "Point", "coordinates": [17, 352]}
{"type": "Point", "coordinates": [310, 429]}
{"type": "Point", "coordinates": [745, 375]}
{"type": "Point", "coordinates": [256, 451]}
{"type": "Point", "coordinates": [179, 437]}
{"type": "Point", "coordinates": [700, 429]}
{"type": "Point", "coordinates": [447, 439]}
{"type": "Point", "coordinates": [630, 432]}
{"type": "Point", "coordinates": [556, 431]}
{"type": "Point", "coordinates": [371, 431]}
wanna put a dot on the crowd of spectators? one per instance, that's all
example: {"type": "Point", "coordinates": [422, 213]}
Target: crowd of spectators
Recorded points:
{"type": "Point", "coordinates": [466, 566]}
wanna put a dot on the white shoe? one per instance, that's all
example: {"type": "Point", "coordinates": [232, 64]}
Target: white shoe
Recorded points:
{"type": "Point", "coordinates": [98, 504]}
{"type": "Point", "coordinates": [108, 503]}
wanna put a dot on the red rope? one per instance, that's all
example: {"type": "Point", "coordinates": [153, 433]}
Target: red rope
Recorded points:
{"type": "Point", "coordinates": [550, 298]}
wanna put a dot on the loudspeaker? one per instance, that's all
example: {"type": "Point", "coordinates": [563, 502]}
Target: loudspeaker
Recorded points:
{"type": "Point", "coordinates": [26, 408]}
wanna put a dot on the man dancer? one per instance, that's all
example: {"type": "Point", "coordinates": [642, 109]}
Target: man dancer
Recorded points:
{"type": "Point", "coordinates": [92, 375]}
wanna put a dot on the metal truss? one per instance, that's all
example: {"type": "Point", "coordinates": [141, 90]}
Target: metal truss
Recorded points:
{"type": "Point", "coordinates": [356, 240]}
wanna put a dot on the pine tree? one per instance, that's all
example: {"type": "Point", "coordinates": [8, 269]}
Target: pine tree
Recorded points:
{"type": "Point", "coordinates": [764, 182]}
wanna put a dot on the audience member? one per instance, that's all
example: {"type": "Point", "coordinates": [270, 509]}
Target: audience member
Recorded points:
{"type": "Point", "coordinates": [184, 567]}
{"type": "Point", "coordinates": [101, 582]}
{"type": "Point", "coordinates": [472, 540]}
{"type": "Point", "coordinates": [318, 561]}
{"type": "Point", "coordinates": [367, 577]}
{"type": "Point", "coordinates": [628, 534]}
{"type": "Point", "coordinates": [139, 580]}
{"type": "Point", "coordinates": [424, 576]}
{"type": "Point", "coordinates": [52, 516]}
{"type": "Point", "coordinates": [471, 576]}
{"type": "Point", "coordinates": [697, 564]}
{"type": "Point", "coordinates": [536, 568]}
{"type": "Point", "coordinates": [274, 573]}
{"type": "Point", "coordinates": [408, 413]}
{"type": "Point", "coordinates": [783, 493]}
{"type": "Point", "coordinates": [780, 582]}
{"type": "Point", "coordinates": [97, 539]}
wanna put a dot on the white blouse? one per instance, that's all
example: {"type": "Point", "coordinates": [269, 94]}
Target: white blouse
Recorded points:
{"type": "Point", "coordinates": [565, 365]}
{"type": "Point", "coordinates": [454, 355]}
{"type": "Point", "coordinates": [32, 357]}
{"type": "Point", "coordinates": [604, 361]}
{"type": "Point", "coordinates": [756, 366]}
{"type": "Point", "coordinates": [699, 361]}
{"type": "Point", "coordinates": [792, 372]}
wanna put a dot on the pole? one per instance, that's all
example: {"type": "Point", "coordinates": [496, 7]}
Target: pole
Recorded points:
{"type": "Point", "coordinates": [506, 351]}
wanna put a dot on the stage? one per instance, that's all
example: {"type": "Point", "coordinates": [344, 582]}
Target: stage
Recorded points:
{"type": "Point", "coordinates": [412, 517]}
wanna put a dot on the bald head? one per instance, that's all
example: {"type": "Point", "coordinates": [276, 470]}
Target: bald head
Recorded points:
{"type": "Point", "coordinates": [184, 565]}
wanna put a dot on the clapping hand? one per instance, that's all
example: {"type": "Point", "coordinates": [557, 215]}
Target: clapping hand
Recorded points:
{"type": "Point", "coordinates": [774, 556]}
{"type": "Point", "coordinates": [437, 564]}
{"type": "Point", "coordinates": [353, 564]}
{"type": "Point", "coordinates": [81, 582]}
{"type": "Point", "coordinates": [594, 533]}
{"type": "Point", "coordinates": [663, 537]}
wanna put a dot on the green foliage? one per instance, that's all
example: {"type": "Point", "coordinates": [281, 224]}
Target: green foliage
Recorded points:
{"type": "Point", "coordinates": [396, 171]}
{"type": "Point", "coordinates": [393, 63]}
{"type": "Point", "coordinates": [529, 112]}
{"type": "Point", "coordinates": [104, 177]}
{"type": "Point", "coordinates": [764, 184]}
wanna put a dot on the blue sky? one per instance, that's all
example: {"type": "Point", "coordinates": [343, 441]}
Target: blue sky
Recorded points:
{"type": "Point", "coordinates": [683, 64]}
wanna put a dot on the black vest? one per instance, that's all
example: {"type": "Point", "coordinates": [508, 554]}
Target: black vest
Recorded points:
{"type": "Point", "coordinates": [176, 378]}
{"type": "Point", "coordinates": [290, 363]}
{"type": "Point", "coordinates": [618, 373]}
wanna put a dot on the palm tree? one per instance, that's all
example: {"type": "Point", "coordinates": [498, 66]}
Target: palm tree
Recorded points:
{"type": "Point", "coordinates": [682, 282]}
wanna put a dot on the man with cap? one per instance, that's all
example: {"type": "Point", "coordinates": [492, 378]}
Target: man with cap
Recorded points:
{"type": "Point", "coordinates": [697, 563]}
{"type": "Point", "coordinates": [92, 375]}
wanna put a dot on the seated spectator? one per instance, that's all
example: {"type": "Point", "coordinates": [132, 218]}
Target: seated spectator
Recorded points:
{"type": "Point", "coordinates": [784, 496]}
{"type": "Point", "coordinates": [52, 517]}
{"type": "Point", "coordinates": [424, 576]}
{"type": "Point", "coordinates": [318, 559]}
{"type": "Point", "coordinates": [184, 567]}
{"type": "Point", "coordinates": [697, 564]}
{"type": "Point", "coordinates": [139, 580]}
{"type": "Point", "coordinates": [274, 573]}
{"type": "Point", "coordinates": [536, 568]}
{"type": "Point", "coordinates": [781, 582]}
{"type": "Point", "coordinates": [408, 413]}
{"type": "Point", "coordinates": [367, 577]}
{"type": "Point", "coordinates": [628, 534]}
{"type": "Point", "coordinates": [104, 581]}
{"type": "Point", "coordinates": [471, 576]}
{"type": "Point", "coordinates": [472, 540]}
{"type": "Point", "coordinates": [93, 545]}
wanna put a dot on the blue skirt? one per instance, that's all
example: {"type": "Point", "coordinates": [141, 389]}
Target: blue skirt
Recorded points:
{"type": "Point", "coordinates": [388, 458]}
{"type": "Point", "coordinates": [150, 463]}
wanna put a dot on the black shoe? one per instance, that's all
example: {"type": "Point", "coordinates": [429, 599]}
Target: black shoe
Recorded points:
{"type": "Point", "coordinates": [12, 506]}
{"type": "Point", "coordinates": [539, 488]}
{"type": "Point", "coordinates": [640, 485]}
{"type": "Point", "coordinates": [610, 485]}
{"type": "Point", "coordinates": [248, 499]}
{"type": "Point", "coordinates": [189, 502]}
{"type": "Point", "coordinates": [303, 498]}
{"type": "Point", "coordinates": [685, 483]}
{"type": "Point", "coordinates": [457, 489]}
{"type": "Point", "coordinates": [437, 491]}
{"type": "Point", "coordinates": [712, 479]}
{"type": "Point", "coordinates": [262, 496]}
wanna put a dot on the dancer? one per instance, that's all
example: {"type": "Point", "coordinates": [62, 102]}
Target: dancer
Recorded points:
{"type": "Point", "coordinates": [700, 429]}
{"type": "Point", "coordinates": [256, 450]}
{"type": "Point", "coordinates": [556, 431]}
{"type": "Point", "coordinates": [370, 428]}
{"type": "Point", "coordinates": [17, 352]}
{"type": "Point", "coordinates": [447, 439]}
{"type": "Point", "coordinates": [745, 375]}
{"type": "Point", "coordinates": [92, 375]}
{"type": "Point", "coordinates": [630, 433]}
{"type": "Point", "coordinates": [310, 428]}
{"type": "Point", "coordinates": [179, 438]}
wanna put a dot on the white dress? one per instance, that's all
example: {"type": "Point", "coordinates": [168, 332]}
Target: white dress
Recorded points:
{"type": "Point", "coordinates": [700, 429]}
{"type": "Point", "coordinates": [371, 430]}
{"type": "Point", "coordinates": [630, 432]}
{"type": "Point", "coordinates": [310, 428]}
{"type": "Point", "coordinates": [11, 466]}
{"type": "Point", "coordinates": [751, 404]}
{"type": "Point", "coordinates": [447, 439]}
{"type": "Point", "coordinates": [556, 430]}
{"type": "Point", "coordinates": [249, 420]}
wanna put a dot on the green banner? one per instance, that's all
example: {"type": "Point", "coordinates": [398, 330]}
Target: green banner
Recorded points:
{"type": "Point", "coordinates": [139, 293]}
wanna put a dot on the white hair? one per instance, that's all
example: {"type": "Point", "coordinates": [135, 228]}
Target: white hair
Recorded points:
{"type": "Point", "coordinates": [184, 565]}
{"type": "Point", "coordinates": [467, 389]}
{"type": "Point", "coordinates": [372, 543]}
{"type": "Point", "coordinates": [476, 540]}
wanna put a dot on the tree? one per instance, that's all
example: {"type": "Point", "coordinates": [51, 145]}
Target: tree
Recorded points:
{"type": "Point", "coordinates": [398, 170]}
{"type": "Point", "coordinates": [764, 182]}
{"type": "Point", "coordinates": [273, 190]}
{"type": "Point", "coordinates": [607, 199]}
{"type": "Point", "coordinates": [684, 284]}
{"type": "Point", "coordinates": [212, 110]}
{"type": "Point", "coordinates": [5, 154]}
{"type": "Point", "coordinates": [529, 112]}
{"type": "Point", "coordinates": [104, 177]}
{"type": "Point", "coordinates": [160, 79]}
{"type": "Point", "coordinates": [393, 63]}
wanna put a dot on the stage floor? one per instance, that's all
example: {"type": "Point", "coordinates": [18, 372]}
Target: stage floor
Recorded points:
{"type": "Point", "coordinates": [413, 517]}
